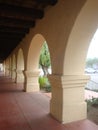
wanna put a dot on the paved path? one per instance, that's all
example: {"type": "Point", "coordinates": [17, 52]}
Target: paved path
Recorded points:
{"type": "Point", "coordinates": [30, 111]}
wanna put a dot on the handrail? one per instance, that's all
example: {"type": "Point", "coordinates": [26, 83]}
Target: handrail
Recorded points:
{"type": "Point", "coordinates": [92, 85]}
{"type": "Point", "coordinates": [94, 82]}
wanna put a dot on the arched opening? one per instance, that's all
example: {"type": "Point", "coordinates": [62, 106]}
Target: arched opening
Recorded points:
{"type": "Point", "coordinates": [13, 67]}
{"type": "Point", "coordinates": [91, 69]}
{"type": "Point", "coordinates": [34, 52]}
{"type": "Point", "coordinates": [3, 64]}
{"type": "Point", "coordinates": [20, 67]}
{"type": "Point", "coordinates": [32, 73]}
{"type": "Point", "coordinates": [45, 68]}
{"type": "Point", "coordinates": [1, 67]}
{"type": "Point", "coordinates": [80, 38]}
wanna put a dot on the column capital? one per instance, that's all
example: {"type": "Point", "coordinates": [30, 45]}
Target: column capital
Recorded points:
{"type": "Point", "coordinates": [19, 71]}
{"type": "Point", "coordinates": [13, 69]}
{"type": "Point", "coordinates": [65, 81]}
{"type": "Point", "coordinates": [30, 73]}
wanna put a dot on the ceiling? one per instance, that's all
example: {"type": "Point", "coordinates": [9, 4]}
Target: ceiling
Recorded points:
{"type": "Point", "coordinates": [16, 18]}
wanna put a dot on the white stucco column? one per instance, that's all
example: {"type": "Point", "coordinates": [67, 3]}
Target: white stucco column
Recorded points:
{"type": "Point", "coordinates": [19, 76]}
{"type": "Point", "coordinates": [13, 76]}
{"type": "Point", "coordinates": [10, 72]}
{"type": "Point", "coordinates": [68, 101]}
{"type": "Point", "coordinates": [6, 71]}
{"type": "Point", "coordinates": [31, 81]}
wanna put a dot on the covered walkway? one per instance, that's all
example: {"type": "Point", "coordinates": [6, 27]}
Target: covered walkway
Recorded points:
{"type": "Point", "coordinates": [30, 111]}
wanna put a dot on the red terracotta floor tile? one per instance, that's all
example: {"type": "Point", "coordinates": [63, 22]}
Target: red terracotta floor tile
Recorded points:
{"type": "Point", "coordinates": [30, 111]}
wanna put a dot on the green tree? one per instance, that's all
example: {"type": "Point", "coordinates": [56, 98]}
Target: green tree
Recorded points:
{"type": "Point", "coordinates": [91, 62]}
{"type": "Point", "coordinates": [44, 60]}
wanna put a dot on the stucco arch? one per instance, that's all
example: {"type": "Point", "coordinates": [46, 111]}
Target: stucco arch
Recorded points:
{"type": "Point", "coordinates": [32, 70]}
{"type": "Point", "coordinates": [56, 28]}
{"type": "Point", "coordinates": [83, 30]}
{"type": "Point", "coordinates": [34, 52]}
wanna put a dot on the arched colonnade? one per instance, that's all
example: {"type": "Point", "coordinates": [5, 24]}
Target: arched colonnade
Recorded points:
{"type": "Point", "coordinates": [68, 28]}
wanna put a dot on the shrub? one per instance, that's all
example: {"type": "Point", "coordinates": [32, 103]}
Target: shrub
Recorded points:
{"type": "Point", "coordinates": [92, 102]}
{"type": "Point", "coordinates": [44, 84]}
{"type": "Point", "coordinates": [95, 102]}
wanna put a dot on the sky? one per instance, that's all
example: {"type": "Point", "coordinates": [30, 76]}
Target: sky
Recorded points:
{"type": "Point", "coordinates": [93, 48]}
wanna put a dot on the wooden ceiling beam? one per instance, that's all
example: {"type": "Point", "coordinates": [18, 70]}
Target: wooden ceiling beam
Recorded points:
{"type": "Point", "coordinates": [48, 2]}
{"type": "Point", "coordinates": [20, 12]}
{"type": "Point", "coordinates": [12, 22]}
{"type": "Point", "coordinates": [15, 20]}
{"type": "Point", "coordinates": [13, 30]}
{"type": "Point", "coordinates": [10, 35]}
{"type": "Point", "coordinates": [6, 38]}
{"type": "Point", "coordinates": [9, 42]}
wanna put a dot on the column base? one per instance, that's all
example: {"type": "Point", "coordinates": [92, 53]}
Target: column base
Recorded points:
{"type": "Point", "coordinates": [73, 112]}
{"type": "Point", "coordinates": [19, 76]}
{"type": "Point", "coordinates": [68, 101]}
{"type": "Point", "coordinates": [13, 74]}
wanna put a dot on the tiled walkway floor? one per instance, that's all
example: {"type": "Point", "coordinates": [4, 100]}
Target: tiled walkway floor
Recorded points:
{"type": "Point", "coordinates": [30, 111]}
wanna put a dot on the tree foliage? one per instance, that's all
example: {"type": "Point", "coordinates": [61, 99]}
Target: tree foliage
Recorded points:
{"type": "Point", "coordinates": [44, 60]}
{"type": "Point", "coordinates": [91, 62]}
